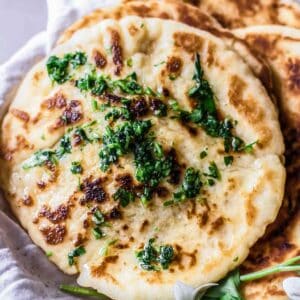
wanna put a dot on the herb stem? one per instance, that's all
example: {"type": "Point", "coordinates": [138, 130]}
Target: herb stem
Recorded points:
{"type": "Point", "coordinates": [82, 291]}
{"type": "Point", "coordinates": [284, 267]}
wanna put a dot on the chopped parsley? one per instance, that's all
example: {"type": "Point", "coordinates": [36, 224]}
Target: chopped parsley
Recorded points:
{"type": "Point", "coordinates": [49, 253]}
{"type": "Point", "coordinates": [64, 146]}
{"type": "Point", "coordinates": [124, 196]}
{"type": "Point", "coordinates": [58, 68]}
{"type": "Point", "coordinates": [119, 112]}
{"type": "Point", "coordinates": [76, 167]}
{"type": "Point", "coordinates": [129, 62]}
{"type": "Point", "coordinates": [153, 259]}
{"type": "Point", "coordinates": [205, 112]}
{"type": "Point", "coordinates": [98, 233]}
{"type": "Point", "coordinates": [75, 253]}
{"type": "Point", "coordinates": [40, 158]}
{"type": "Point", "coordinates": [250, 147]}
{"type": "Point", "coordinates": [98, 217]}
{"type": "Point", "coordinates": [203, 154]}
{"type": "Point", "coordinates": [213, 171]}
{"type": "Point", "coordinates": [228, 160]}
{"type": "Point", "coordinates": [159, 64]}
{"type": "Point", "coordinates": [190, 187]}
{"type": "Point", "coordinates": [104, 250]}
{"type": "Point", "coordinates": [99, 221]}
{"type": "Point", "coordinates": [96, 84]}
{"type": "Point", "coordinates": [120, 141]}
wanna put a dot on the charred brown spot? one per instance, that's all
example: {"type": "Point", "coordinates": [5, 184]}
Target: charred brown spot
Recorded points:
{"type": "Point", "coordinates": [217, 224]}
{"type": "Point", "coordinates": [203, 219]}
{"type": "Point", "coordinates": [86, 223]}
{"type": "Point", "coordinates": [125, 227]}
{"type": "Point", "coordinates": [176, 171]}
{"type": "Point", "coordinates": [122, 246]}
{"type": "Point", "coordinates": [71, 115]}
{"type": "Point", "coordinates": [93, 191]}
{"type": "Point", "coordinates": [174, 65]}
{"type": "Point", "coordinates": [100, 271]}
{"type": "Point", "coordinates": [132, 29]}
{"type": "Point", "coordinates": [161, 191]}
{"type": "Point", "coordinates": [185, 259]}
{"type": "Point", "coordinates": [249, 108]}
{"type": "Point", "coordinates": [293, 68]}
{"type": "Point", "coordinates": [124, 180]}
{"type": "Point", "coordinates": [61, 213]}
{"type": "Point", "coordinates": [27, 200]}
{"type": "Point", "coordinates": [155, 105]}
{"type": "Point", "coordinates": [77, 139]}
{"type": "Point", "coordinates": [144, 225]}
{"type": "Point", "coordinates": [139, 107]}
{"type": "Point", "coordinates": [54, 234]}
{"type": "Point", "coordinates": [41, 185]}
{"type": "Point", "coordinates": [115, 214]}
{"type": "Point", "coordinates": [112, 98]}
{"type": "Point", "coordinates": [117, 52]}
{"type": "Point", "coordinates": [80, 239]}
{"type": "Point", "coordinates": [99, 59]}
{"type": "Point", "coordinates": [58, 100]}
{"type": "Point", "coordinates": [188, 41]}
{"type": "Point", "coordinates": [20, 114]}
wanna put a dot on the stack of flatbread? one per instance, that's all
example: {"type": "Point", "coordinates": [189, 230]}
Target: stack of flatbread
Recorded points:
{"type": "Point", "coordinates": [159, 142]}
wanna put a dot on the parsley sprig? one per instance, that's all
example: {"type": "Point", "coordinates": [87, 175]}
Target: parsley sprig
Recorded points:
{"type": "Point", "coordinates": [153, 258]}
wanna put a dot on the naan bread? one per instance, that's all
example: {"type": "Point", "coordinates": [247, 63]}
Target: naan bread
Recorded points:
{"type": "Point", "coordinates": [181, 12]}
{"type": "Point", "coordinates": [243, 13]}
{"type": "Point", "coordinates": [280, 46]}
{"type": "Point", "coordinates": [210, 236]}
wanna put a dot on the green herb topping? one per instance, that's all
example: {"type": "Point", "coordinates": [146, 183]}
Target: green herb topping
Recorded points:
{"type": "Point", "coordinates": [190, 187]}
{"type": "Point", "coordinates": [76, 167]}
{"type": "Point", "coordinates": [203, 154]}
{"type": "Point", "coordinates": [40, 158]}
{"type": "Point", "coordinates": [153, 259]}
{"type": "Point", "coordinates": [228, 160]}
{"type": "Point", "coordinates": [124, 196]}
{"type": "Point", "coordinates": [120, 141]}
{"type": "Point", "coordinates": [75, 253]}
{"type": "Point", "coordinates": [58, 68]}
{"type": "Point", "coordinates": [213, 171]}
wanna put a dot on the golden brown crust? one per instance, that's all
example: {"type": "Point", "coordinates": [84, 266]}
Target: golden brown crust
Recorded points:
{"type": "Point", "coordinates": [243, 13]}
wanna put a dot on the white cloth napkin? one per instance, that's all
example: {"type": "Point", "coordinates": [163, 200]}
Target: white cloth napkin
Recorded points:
{"type": "Point", "coordinates": [25, 272]}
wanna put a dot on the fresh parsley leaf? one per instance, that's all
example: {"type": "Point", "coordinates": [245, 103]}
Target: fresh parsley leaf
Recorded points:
{"type": "Point", "coordinates": [64, 146]}
{"type": "Point", "coordinates": [228, 288]}
{"type": "Point", "coordinates": [98, 233]}
{"type": "Point", "coordinates": [58, 68]}
{"type": "Point", "coordinates": [228, 160]}
{"type": "Point", "coordinates": [98, 217]}
{"type": "Point", "coordinates": [190, 187]}
{"type": "Point", "coordinates": [76, 167]}
{"type": "Point", "coordinates": [129, 85]}
{"type": "Point", "coordinates": [104, 250]}
{"type": "Point", "coordinates": [150, 258]}
{"type": "Point", "coordinates": [213, 171]}
{"type": "Point", "coordinates": [249, 148]}
{"type": "Point", "coordinates": [40, 158]}
{"type": "Point", "coordinates": [75, 253]}
{"type": "Point", "coordinates": [120, 141]}
{"type": "Point", "coordinates": [124, 196]}
{"type": "Point", "coordinates": [129, 62]}
{"type": "Point", "coordinates": [203, 154]}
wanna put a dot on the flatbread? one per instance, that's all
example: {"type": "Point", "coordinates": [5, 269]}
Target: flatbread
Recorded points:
{"type": "Point", "coordinates": [59, 216]}
{"type": "Point", "coordinates": [243, 13]}
{"type": "Point", "coordinates": [181, 12]}
{"type": "Point", "coordinates": [281, 47]}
